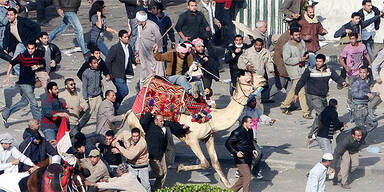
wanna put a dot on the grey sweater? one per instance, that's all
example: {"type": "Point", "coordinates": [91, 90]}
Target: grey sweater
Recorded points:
{"type": "Point", "coordinates": [91, 83]}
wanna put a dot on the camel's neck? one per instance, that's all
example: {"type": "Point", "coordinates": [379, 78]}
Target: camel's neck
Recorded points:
{"type": "Point", "coordinates": [223, 119]}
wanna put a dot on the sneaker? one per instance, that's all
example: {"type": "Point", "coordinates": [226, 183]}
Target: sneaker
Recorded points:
{"type": "Point", "coordinates": [259, 176]}
{"type": "Point", "coordinates": [345, 186]}
{"type": "Point", "coordinates": [237, 174]}
{"type": "Point", "coordinates": [285, 111]}
{"type": "Point", "coordinates": [6, 125]}
{"type": "Point", "coordinates": [307, 116]}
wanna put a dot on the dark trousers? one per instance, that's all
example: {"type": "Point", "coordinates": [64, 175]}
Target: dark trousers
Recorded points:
{"type": "Point", "coordinates": [39, 6]}
{"type": "Point", "coordinates": [228, 28]}
{"type": "Point", "coordinates": [256, 161]}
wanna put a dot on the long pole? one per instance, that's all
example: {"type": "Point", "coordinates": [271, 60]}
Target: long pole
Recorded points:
{"type": "Point", "coordinates": [166, 32]}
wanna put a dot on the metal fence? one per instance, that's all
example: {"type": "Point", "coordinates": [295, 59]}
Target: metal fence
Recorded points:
{"type": "Point", "coordinates": [267, 10]}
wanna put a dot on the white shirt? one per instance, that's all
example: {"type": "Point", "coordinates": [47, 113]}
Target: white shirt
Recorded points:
{"type": "Point", "coordinates": [369, 30]}
{"type": "Point", "coordinates": [316, 179]}
{"type": "Point", "coordinates": [7, 167]}
{"type": "Point", "coordinates": [126, 52]}
{"type": "Point", "coordinates": [164, 130]}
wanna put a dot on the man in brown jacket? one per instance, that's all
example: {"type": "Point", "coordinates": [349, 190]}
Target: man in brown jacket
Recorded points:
{"type": "Point", "coordinates": [135, 150]}
{"type": "Point", "coordinates": [178, 62]}
{"type": "Point", "coordinates": [311, 29]}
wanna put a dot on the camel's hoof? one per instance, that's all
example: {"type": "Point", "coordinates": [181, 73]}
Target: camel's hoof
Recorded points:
{"type": "Point", "coordinates": [179, 168]}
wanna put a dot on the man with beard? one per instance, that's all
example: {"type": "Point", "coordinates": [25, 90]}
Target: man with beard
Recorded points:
{"type": "Point", "coordinates": [207, 61]}
{"type": "Point", "coordinates": [192, 24]}
{"type": "Point", "coordinates": [76, 104]}
{"type": "Point", "coordinates": [53, 112]}
{"type": "Point", "coordinates": [232, 54]}
{"type": "Point", "coordinates": [148, 35]}
{"type": "Point", "coordinates": [295, 56]}
{"type": "Point", "coordinates": [310, 31]}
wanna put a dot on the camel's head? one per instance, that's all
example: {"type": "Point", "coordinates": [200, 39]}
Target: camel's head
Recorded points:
{"type": "Point", "coordinates": [246, 85]}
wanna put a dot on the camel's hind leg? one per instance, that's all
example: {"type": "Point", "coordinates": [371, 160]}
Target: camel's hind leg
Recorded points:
{"type": "Point", "coordinates": [210, 143]}
{"type": "Point", "coordinates": [195, 147]}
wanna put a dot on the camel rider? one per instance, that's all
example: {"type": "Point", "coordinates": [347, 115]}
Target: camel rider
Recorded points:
{"type": "Point", "coordinates": [37, 148]}
{"type": "Point", "coordinates": [7, 151]}
{"type": "Point", "coordinates": [178, 62]}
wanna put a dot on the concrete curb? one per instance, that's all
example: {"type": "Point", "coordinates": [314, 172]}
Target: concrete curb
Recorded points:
{"type": "Point", "coordinates": [280, 164]}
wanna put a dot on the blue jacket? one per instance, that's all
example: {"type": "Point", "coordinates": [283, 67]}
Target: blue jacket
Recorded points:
{"type": "Point", "coordinates": [360, 89]}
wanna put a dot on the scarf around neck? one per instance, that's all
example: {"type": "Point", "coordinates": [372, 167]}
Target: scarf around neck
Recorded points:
{"type": "Point", "coordinates": [309, 20]}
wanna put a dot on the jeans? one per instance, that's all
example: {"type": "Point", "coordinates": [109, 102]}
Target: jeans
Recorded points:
{"type": "Point", "coordinates": [132, 40]}
{"type": "Point", "coordinates": [363, 115]}
{"type": "Point", "coordinates": [50, 134]}
{"type": "Point", "coordinates": [101, 45]}
{"type": "Point", "coordinates": [318, 104]}
{"type": "Point", "coordinates": [325, 144]}
{"type": "Point", "coordinates": [256, 161]}
{"type": "Point", "coordinates": [370, 46]}
{"type": "Point", "coordinates": [143, 175]}
{"type": "Point", "coordinates": [70, 18]}
{"type": "Point", "coordinates": [27, 96]}
{"type": "Point", "coordinates": [20, 48]}
{"type": "Point", "coordinates": [122, 91]}
{"type": "Point", "coordinates": [311, 59]}
{"type": "Point", "coordinates": [180, 80]}
{"type": "Point", "coordinates": [199, 84]}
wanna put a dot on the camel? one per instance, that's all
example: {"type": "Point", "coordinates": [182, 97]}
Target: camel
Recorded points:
{"type": "Point", "coordinates": [222, 119]}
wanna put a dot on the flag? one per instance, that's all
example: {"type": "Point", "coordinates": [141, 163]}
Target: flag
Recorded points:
{"type": "Point", "coordinates": [64, 142]}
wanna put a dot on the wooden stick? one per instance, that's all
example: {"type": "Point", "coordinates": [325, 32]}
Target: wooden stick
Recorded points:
{"type": "Point", "coordinates": [165, 34]}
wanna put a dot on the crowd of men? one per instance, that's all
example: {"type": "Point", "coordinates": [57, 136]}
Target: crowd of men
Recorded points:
{"type": "Point", "coordinates": [288, 61]}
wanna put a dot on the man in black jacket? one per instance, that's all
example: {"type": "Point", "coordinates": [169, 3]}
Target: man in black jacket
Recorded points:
{"type": "Point", "coordinates": [37, 148]}
{"type": "Point", "coordinates": [232, 54]}
{"type": "Point", "coordinates": [101, 64]}
{"type": "Point", "coordinates": [240, 145]}
{"type": "Point", "coordinates": [156, 137]}
{"type": "Point", "coordinates": [51, 52]}
{"type": "Point", "coordinates": [347, 148]}
{"type": "Point", "coordinates": [328, 123]}
{"type": "Point", "coordinates": [317, 80]}
{"type": "Point", "coordinates": [119, 64]}
{"type": "Point", "coordinates": [18, 32]}
{"type": "Point", "coordinates": [132, 7]}
{"type": "Point", "coordinates": [192, 24]}
{"type": "Point", "coordinates": [369, 30]}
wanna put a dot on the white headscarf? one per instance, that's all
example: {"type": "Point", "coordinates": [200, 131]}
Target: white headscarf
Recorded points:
{"type": "Point", "coordinates": [6, 138]}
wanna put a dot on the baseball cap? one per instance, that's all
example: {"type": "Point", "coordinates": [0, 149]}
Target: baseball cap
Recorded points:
{"type": "Point", "coordinates": [328, 156]}
{"type": "Point", "coordinates": [94, 153]}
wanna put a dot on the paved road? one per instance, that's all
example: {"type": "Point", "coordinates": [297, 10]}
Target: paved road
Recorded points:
{"type": "Point", "coordinates": [283, 144]}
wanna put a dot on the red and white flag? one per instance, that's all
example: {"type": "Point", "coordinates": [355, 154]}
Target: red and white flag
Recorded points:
{"type": "Point", "coordinates": [64, 142]}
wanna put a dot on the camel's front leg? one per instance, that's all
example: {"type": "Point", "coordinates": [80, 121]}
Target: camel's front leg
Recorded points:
{"type": "Point", "coordinates": [210, 143]}
{"type": "Point", "coordinates": [194, 145]}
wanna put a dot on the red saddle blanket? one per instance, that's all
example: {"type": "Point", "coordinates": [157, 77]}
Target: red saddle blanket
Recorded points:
{"type": "Point", "coordinates": [166, 97]}
{"type": "Point", "coordinates": [160, 94]}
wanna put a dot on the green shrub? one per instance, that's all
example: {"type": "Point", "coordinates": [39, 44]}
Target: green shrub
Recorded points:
{"type": "Point", "coordinates": [193, 188]}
